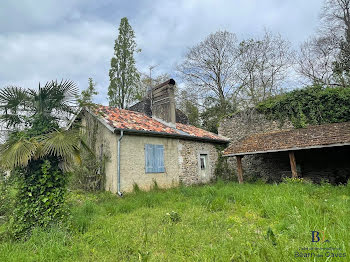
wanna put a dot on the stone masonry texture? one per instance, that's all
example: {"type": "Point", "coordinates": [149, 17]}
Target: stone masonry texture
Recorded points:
{"type": "Point", "coordinates": [331, 164]}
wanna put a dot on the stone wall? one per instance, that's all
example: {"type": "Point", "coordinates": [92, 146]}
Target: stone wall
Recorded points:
{"type": "Point", "coordinates": [268, 167]}
{"type": "Point", "coordinates": [163, 102]}
{"type": "Point", "coordinates": [314, 164]}
{"type": "Point", "coordinates": [189, 153]}
{"type": "Point", "coordinates": [249, 122]}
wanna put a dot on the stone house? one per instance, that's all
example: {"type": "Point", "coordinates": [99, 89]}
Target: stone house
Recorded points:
{"type": "Point", "coordinates": [270, 150]}
{"type": "Point", "coordinates": [151, 142]}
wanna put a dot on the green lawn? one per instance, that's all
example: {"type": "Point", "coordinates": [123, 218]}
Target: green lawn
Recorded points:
{"type": "Point", "coordinates": [220, 222]}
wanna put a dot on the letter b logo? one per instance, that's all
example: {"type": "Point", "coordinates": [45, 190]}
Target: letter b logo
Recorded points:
{"type": "Point", "coordinates": [315, 236]}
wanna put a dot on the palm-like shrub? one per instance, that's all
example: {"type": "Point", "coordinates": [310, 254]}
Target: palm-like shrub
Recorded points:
{"type": "Point", "coordinates": [38, 151]}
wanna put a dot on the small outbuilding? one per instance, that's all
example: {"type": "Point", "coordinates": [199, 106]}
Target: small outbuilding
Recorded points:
{"type": "Point", "coordinates": [151, 144]}
{"type": "Point", "coordinates": [315, 152]}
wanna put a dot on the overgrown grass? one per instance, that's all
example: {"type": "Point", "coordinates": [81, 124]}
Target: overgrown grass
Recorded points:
{"type": "Point", "coordinates": [220, 222]}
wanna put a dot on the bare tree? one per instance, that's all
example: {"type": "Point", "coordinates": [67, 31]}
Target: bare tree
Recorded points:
{"type": "Point", "coordinates": [324, 58]}
{"type": "Point", "coordinates": [335, 18]}
{"type": "Point", "coordinates": [315, 61]}
{"type": "Point", "coordinates": [262, 67]}
{"type": "Point", "coordinates": [209, 67]}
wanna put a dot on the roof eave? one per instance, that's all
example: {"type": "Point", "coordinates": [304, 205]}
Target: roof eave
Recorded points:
{"type": "Point", "coordinates": [287, 149]}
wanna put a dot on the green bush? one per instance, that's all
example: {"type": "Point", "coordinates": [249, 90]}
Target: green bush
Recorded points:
{"type": "Point", "coordinates": [40, 197]}
{"type": "Point", "coordinates": [312, 105]}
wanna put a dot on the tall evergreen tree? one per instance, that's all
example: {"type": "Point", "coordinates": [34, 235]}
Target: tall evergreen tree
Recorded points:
{"type": "Point", "coordinates": [124, 77]}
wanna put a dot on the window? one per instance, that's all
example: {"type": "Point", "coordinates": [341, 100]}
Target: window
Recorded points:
{"type": "Point", "coordinates": [203, 161]}
{"type": "Point", "coordinates": [154, 158]}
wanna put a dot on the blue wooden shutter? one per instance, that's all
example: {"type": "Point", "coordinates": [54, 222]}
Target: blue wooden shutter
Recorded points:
{"type": "Point", "coordinates": [154, 158]}
{"type": "Point", "coordinates": [159, 158]}
{"type": "Point", "coordinates": [149, 158]}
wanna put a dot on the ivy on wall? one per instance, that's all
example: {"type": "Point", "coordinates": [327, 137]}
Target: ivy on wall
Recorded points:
{"type": "Point", "coordinates": [312, 105]}
{"type": "Point", "coordinates": [90, 176]}
{"type": "Point", "coordinates": [222, 168]}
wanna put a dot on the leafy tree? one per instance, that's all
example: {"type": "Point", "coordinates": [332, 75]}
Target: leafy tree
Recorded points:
{"type": "Point", "coordinates": [85, 98]}
{"type": "Point", "coordinates": [124, 77]}
{"type": "Point", "coordinates": [38, 151]}
{"type": "Point", "coordinates": [192, 112]}
{"type": "Point", "coordinates": [214, 113]}
{"type": "Point", "coordinates": [188, 104]}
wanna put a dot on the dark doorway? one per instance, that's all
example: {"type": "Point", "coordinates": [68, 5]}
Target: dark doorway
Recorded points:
{"type": "Point", "coordinates": [330, 163]}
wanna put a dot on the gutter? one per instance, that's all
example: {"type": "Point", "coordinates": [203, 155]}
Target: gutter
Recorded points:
{"type": "Point", "coordinates": [169, 135]}
{"type": "Point", "coordinates": [118, 169]}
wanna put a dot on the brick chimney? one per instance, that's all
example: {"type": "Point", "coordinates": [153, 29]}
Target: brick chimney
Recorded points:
{"type": "Point", "coordinates": [163, 102]}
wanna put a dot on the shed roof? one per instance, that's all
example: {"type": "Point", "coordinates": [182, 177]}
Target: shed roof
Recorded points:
{"type": "Point", "coordinates": [117, 119]}
{"type": "Point", "coordinates": [327, 135]}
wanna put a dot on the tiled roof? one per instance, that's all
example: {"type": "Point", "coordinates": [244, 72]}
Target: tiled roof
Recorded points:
{"type": "Point", "coordinates": [132, 121]}
{"type": "Point", "coordinates": [198, 132]}
{"type": "Point", "coordinates": [310, 137]}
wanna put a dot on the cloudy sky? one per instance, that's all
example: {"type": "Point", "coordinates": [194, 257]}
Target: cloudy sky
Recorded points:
{"type": "Point", "coordinates": [42, 40]}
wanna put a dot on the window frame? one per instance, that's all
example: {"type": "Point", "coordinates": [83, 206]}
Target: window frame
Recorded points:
{"type": "Point", "coordinates": [206, 155]}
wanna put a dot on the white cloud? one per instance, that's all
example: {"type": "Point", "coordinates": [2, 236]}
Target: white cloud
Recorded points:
{"type": "Point", "coordinates": [44, 40]}
{"type": "Point", "coordinates": [82, 51]}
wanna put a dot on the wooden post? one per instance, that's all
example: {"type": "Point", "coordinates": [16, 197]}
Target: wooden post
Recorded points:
{"type": "Point", "coordinates": [293, 164]}
{"type": "Point", "coordinates": [239, 169]}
